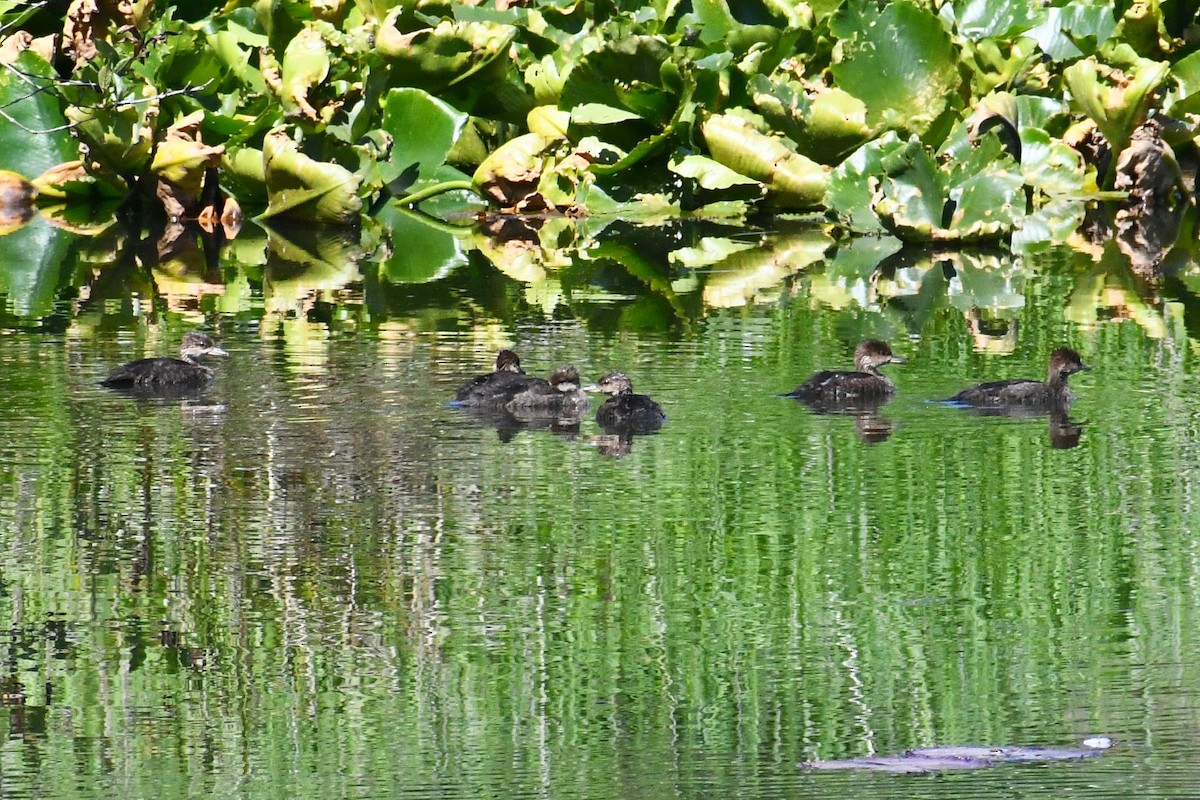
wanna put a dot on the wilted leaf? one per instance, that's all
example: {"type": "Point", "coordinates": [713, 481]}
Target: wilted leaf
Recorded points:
{"type": "Point", "coordinates": [305, 65]}
{"type": "Point", "coordinates": [512, 171]}
{"type": "Point", "coordinates": [182, 158]}
{"type": "Point", "coordinates": [1116, 98]}
{"type": "Point", "coordinates": [793, 180]}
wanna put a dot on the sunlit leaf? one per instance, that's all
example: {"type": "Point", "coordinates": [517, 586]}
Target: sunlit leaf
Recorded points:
{"type": "Point", "coordinates": [792, 180]}
{"type": "Point", "coordinates": [849, 194]}
{"type": "Point", "coordinates": [305, 64]}
{"type": "Point", "coordinates": [423, 129]}
{"type": "Point", "coordinates": [1073, 30]}
{"type": "Point", "coordinates": [301, 188]}
{"type": "Point", "coordinates": [1115, 97]}
{"type": "Point", "coordinates": [29, 141]}
{"type": "Point", "coordinates": [709, 173]}
{"type": "Point", "coordinates": [899, 61]}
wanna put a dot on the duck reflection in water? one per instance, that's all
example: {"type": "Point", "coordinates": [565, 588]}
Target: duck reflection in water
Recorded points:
{"type": "Point", "coordinates": [169, 377]}
{"type": "Point", "coordinates": [859, 394]}
{"type": "Point", "coordinates": [1022, 398]}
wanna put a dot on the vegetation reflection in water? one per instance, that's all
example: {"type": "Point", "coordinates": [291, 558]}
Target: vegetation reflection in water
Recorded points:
{"type": "Point", "coordinates": [319, 578]}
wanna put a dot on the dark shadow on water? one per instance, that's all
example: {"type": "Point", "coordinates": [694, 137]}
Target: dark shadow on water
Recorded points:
{"type": "Point", "coordinates": [507, 424]}
{"type": "Point", "coordinates": [870, 425]}
{"type": "Point", "coordinates": [1063, 431]}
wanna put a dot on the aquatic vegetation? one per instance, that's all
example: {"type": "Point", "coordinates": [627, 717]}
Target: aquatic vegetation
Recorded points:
{"type": "Point", "coordinates": [321, 112]}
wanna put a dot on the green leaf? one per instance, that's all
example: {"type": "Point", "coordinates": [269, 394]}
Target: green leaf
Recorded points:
{"type": "Point", "coordinates": [978, 198]}
{"type": "Point", "coordinates": [899, 61]}
{"type": "Point", "coordinates": [1115, 97]}
{"type": "Point", "coordinates": [600, 114]}
{"type": "Point", "coordinates": [32, 151]}
{"type": "Point", "coordinates": [982, 19]}
{"type": "Point", "coordinates": [301, 188]}
{"type": "Point", "coordinates": [792, 180]}
{"type": "Point", "coordinates": [423, 129]}
{"type": "Point", "coordinates": [624, 74]}
{"type": "Point", "coordinates": [849, 193]}
{"type": "Point", "coordinates": [1074, 30]}
{"type": "Point", "coordinates": [708, 173]}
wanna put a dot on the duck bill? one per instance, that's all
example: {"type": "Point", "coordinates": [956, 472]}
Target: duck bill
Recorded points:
{"type": "Point", "coordinates": [593, 388]}
{"type": "Point", "coordinates": [216, 351]}
{"type": "Point", "coordinates": [898, 360]}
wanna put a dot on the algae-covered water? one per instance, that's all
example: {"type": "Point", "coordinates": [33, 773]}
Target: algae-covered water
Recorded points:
{"type": "Point", "coordinates": [320, 580]}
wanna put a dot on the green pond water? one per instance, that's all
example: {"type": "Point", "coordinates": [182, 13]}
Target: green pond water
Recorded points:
{"type": "Point", "coordinates": [319, 580]}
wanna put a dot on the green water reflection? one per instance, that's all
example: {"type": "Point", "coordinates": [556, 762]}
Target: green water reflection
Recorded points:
{"type": "Point", "coordinates": [321, 580]}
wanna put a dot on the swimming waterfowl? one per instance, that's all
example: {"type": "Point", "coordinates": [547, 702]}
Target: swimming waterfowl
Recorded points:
{"type": "Point", "coordinates": [624, 410]}
{"type": "Point", "coordinates": [183, 371]}
{"type": "Point", "coordinates": [830, 386]}
{"type": "Point", "coordinates": [497, 387]}
{"type": "Point", "coordinates": [1064, 362]}
{"type": "Point", "coordinates": [559, 396]}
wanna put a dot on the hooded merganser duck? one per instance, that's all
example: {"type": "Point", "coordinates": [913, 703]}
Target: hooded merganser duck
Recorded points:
{"type": "Point", "coordinates": [624, 410]}
{"type": "Point", "coordinates": [867, 382]}
{"type": "Point", "coordinates": [560, 396]}
{"type": "Point", "coordinates": [183, 371]}
{"type": "Point", "coordinates": [497, 387]}
{"type": "Point", "coordinates": [1064, 362]}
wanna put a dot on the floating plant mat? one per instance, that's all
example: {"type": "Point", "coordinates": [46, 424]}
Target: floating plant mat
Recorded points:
{"type": "Point", "coordinates": [935, 759]}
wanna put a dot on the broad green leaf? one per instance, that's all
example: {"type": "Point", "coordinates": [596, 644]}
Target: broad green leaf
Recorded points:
{"type": "Point", "coordinates": [849, 193]}
{"type": "Point", "coordinates": [1074, 30]}
{"type": "Point", "coordinates": [244, 175]}
{"type": "Point", "coordinates": [899, 61]}
{"type": "Point", "coordinates": [1050, 165]}
{"type": "Point", "coordinates": [981, 19]}
{"type": "Point", "coordinates": [625, 74]}
{"type": "Point", "coordinates": [449, 52]}
{"type": "Point", "coordinates": [979, 198]}
{"type": "Point", "coordinates": [423, 129]}
{"type": "Point", "coordinates": [301, 188]}
{"type": "Point", "coordinates": [29, 143]}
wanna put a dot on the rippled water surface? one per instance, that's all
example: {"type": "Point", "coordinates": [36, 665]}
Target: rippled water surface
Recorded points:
{"type": "Point", "coordinates": [320, 580]}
